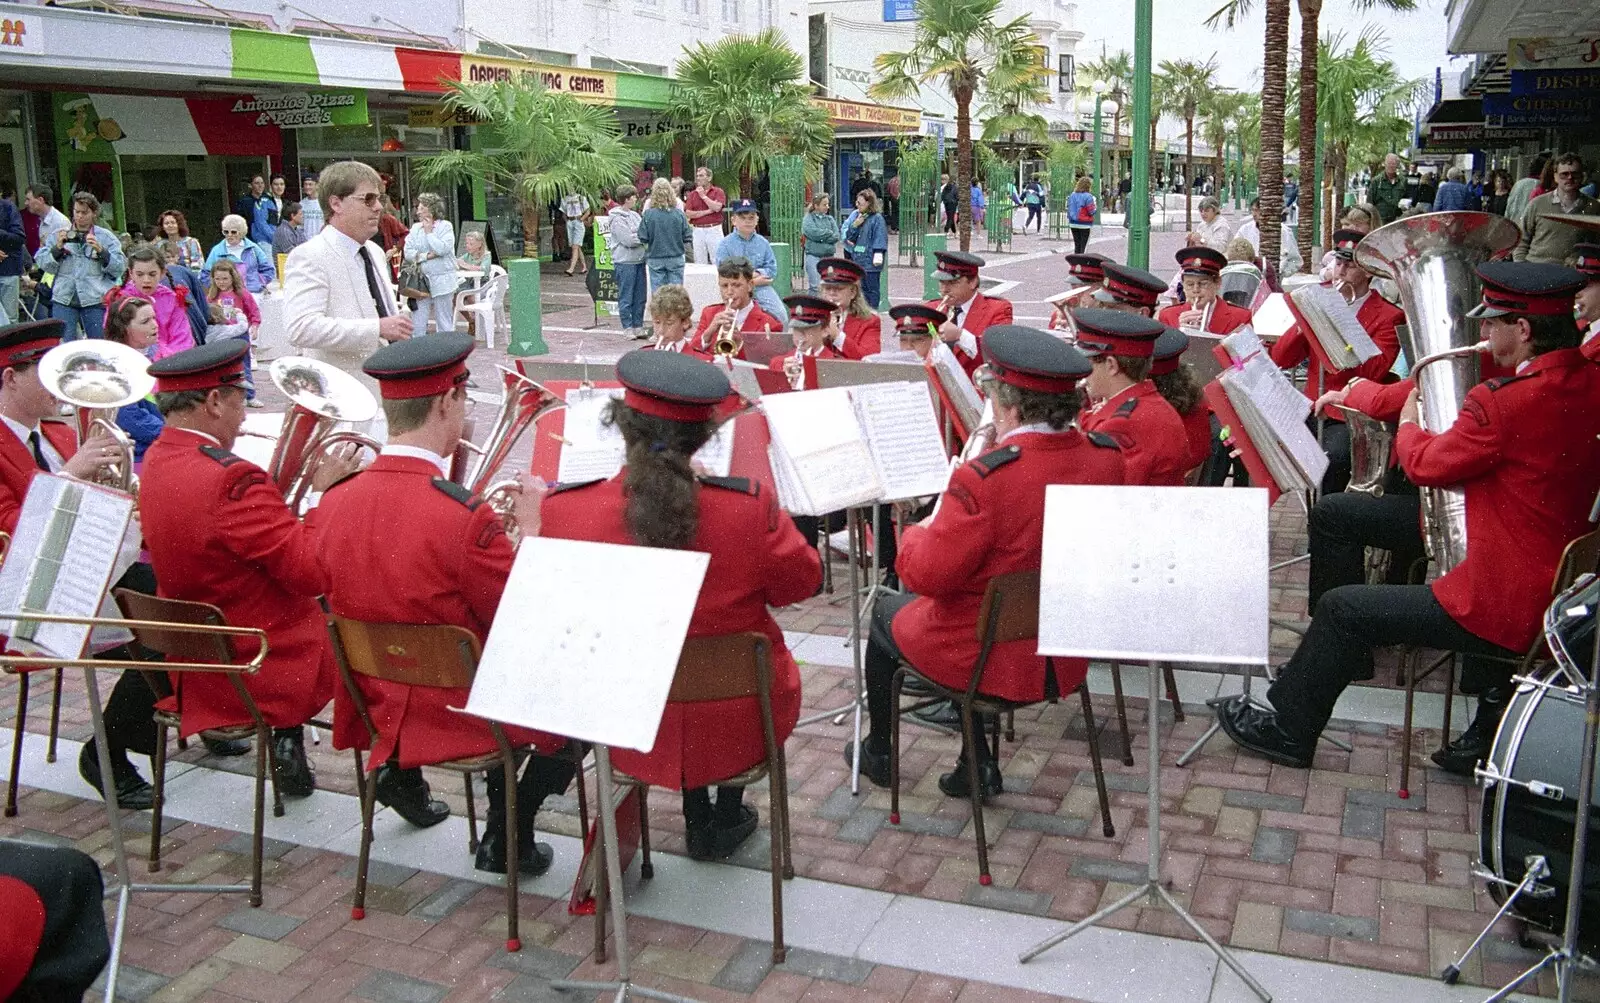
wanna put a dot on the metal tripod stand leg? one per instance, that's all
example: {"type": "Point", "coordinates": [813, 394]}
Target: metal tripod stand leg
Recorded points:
{"type": "Point", "coordinates": [1152, 887]}
{"type": "Point", "coordinates": [1537, 870]}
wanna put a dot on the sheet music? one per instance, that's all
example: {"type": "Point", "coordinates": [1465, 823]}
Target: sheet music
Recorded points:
{"type": "Point", "coordinates": [819, 435]}
{"type": "Point", "coordinates": [742, 375]}
{"type": "Point", "coordinates": [956, 381]}
{"type": "Point", "coordinates": [68, 540]}
{"type": "Point", "coordinates": [1242, 344]}
{"type": "Point", "coordinates": [902, 431]}
{"type": "Point", "coordinates": [558, 661]}
{"type": "Point", "coordinates": [1275, 417]}
{"type": "Point", "coordinates": [592, 450]}
{"type": "Point", "coordinates": [1343, 339]}
{"type": "Point", "coordinates": [898, 355]}
{"type": "Point", "coordinates": [716, 456]}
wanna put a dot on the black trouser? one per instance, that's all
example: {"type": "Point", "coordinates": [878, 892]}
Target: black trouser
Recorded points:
{"type": "Point", "coordinates": [130, 708]}
{"type": "Point", "coordinates": [541, 777]}
{"type": "Point", "coordinates": [884, 540]}
{"type": "Point", "coordinates": [1336, 443]}
{"type": "Point", "coordinates": [1344, 524]}
{"type": "Point", "coordinates": [950, 218]}
{"type": "Point", "coordinates": [882, 658]}
{"type": "Point", "coordinates": [72, 947]}
{"type": "Point", "coordinates": [1080, 238]}
{"type": "Point", "coordinates": [1221, 462]}
{"type": "Point", "coordinates": [1035, 215]}
{"type": "Point", "coordinates": [1348, 623]}
{"type": "Point", "coordinates": [698, 811]}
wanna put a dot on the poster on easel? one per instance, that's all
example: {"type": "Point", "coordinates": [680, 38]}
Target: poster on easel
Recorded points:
{"type": "Point", "coordinates": [601, 280]}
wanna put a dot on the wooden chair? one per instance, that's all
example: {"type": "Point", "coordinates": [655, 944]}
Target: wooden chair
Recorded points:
{"type": "Point", "coordinates": [439, 655]}
{"type": "Point", "coordinates": [726, 667]}
{"type": "Point", "coordinates": [1580, 556]}
{"type": "Point", "coordinates": [183, 646]}
{"type": "Point", "coordinates": [1010, 612]}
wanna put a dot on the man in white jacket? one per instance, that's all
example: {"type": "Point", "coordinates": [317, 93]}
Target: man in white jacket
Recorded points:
{"type": "Point", "coordinates": [339, 305]}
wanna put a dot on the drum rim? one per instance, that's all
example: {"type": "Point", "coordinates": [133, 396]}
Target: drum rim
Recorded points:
{"type": "Point", "coordinates": [1534, 695]}
{"type": "Point", "coordinates": [1552, 637]}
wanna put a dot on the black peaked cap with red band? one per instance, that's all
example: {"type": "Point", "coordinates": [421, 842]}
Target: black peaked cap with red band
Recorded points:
{"type": "Point", "coordinates": [217, 364]}
{"type": "Point", "coordinates": [671, 385]}
{"type": "Point", "coordinates": [808, 311]}
{"type": "Point", "coordinates": [1030, 359]}
{"type": "Point", "coordinates": [840, 271]}
{"type": "Point", "coordinates": [1116, 332]}
{"type": "Point", "coordinates": [1202, 261]}
{"type": "Point", "coordinates": [956, 265]}
{"type": "Point", "coordinates": [420, 367]}
{"type": "Point", "coordinates": [916, 320]}
{"type": "Point", "coordinates": [1345, 242]}
{"type": "Point", "coordinates": [1168, 352]}
{"type": "Point", "coordinates": [1588, 260]}
{"type": "Point", "coordinates": [1133, 286]}
{"type": "Point", "coordinates": [27, 341]}
{"type": "Point", "coordinates": [1088, 267]}
{"type": "Point", "coordinates": [1527, 287]}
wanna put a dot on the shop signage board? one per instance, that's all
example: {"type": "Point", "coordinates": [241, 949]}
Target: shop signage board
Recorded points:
{"type": "Point", "coordinates": [899, 10]}
{"type": "Point", "coordinates": [591, 86]}
{"type": "Point", "coordinates": [860, 113]}
{"type": "Point", "coordinates": [1556, 108]}
{"type": "Point", "coordinates": [304, 109]}
{"type": "Point", "coordinates": [1571, 53]}
{"type": "Point", "coordinates": [1463, 138]}
{"type": "Point", "coordinates": [21, 35]}
{"type": "Point", "coordinates": [1555, 81]}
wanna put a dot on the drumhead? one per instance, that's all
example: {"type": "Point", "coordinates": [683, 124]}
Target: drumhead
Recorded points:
{"type": "Point", "coordinates": [1569, 627]}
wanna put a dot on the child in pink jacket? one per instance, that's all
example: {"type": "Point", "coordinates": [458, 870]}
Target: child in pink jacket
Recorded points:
{"type": "Point", "coordinates": [145, 268]}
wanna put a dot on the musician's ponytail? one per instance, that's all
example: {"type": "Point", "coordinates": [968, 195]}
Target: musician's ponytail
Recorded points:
{"type": "Point", "coordinates": [663, 498]}
{"type": "Point", "coordinates": [1180, 388]}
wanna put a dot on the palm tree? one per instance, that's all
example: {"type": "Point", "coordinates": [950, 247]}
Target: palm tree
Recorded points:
{"type": "Point", "coordinates": [1191, 85]}
{"type": "Point", "coordinates": [742, 99]}
{"type": "Point", "coordinates": [1116, 73]}
{"type": "Point", "coordinates": [1274, 86]}
{"type": "Point", "coordinates": [1218, 115]}
{"type": "Point", "coordinates": [959, 44]}
{"type": "Point", "coordinates": [542, 145]}
{"type": "Point", "coordinates": [1006, 115]}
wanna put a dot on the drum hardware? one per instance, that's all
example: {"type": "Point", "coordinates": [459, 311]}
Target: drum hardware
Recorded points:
{"type": "Point", "coordinates": [1489, 776]}
{"type": "Point", "coordinates": [1537, 870]}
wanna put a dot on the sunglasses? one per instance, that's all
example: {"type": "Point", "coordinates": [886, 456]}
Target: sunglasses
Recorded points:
{"type": "Point", "coordinates": [232, 233]}
{"type": "Point", "coordinates": [371, 199]}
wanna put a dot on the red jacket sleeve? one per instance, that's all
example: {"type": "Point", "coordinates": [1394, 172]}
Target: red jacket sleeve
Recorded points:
{"type": "Point", "coordinates": [1383, 401]}
{"type": "Point", "coordinates": [793, 570]}
{"type": "Point", "coordinates": [1290, 350]}
{"type": "Point", "coordinates": [486, 560]}
{"type": "Point", "coordinates": [1460, 453]}
{"type": "Point", "coordinates": [1388, 342]}
{"type": "Point", "coordinates": [252, 516]}
{"type": "Point", "coordinates": [942, 557]}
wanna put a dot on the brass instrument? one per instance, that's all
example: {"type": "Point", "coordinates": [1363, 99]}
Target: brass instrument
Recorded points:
{"type": "Point", "coordinates": [1205, 319]}
{"type": "Point", "coordinates": [1433, 260]}
{"type": "Point", "coordinates": [97, 377]}
{"type": "Point", "coordinates": [522, 403]}
{"type": "Point", "coordinates": [1371, 443]}
{"type": "Point", "coordinates": [321, 396]}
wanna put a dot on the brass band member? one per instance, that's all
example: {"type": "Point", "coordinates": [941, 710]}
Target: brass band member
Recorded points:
{"type": "Point", "coordinates": [738, 311]}
{"type": "Point", "coordinates": [1203, 308]}
{"type": "Point", "coordinates": [1175, 381]}
{"type": "Point", "coordinates": [672, 317]}
{"type": "Point", "coordinates": [860, 332]}
{"type": "Point", "coordinates": [1087, 277]}
{"type": "Point", "coordinates": [969, 312]}
{"type": "Point", "coordinates": [1128, 407]}
{"type": "Point", "coordinates": [812, 323]}
{"type": "Point", "coordinates": [1130, 290]}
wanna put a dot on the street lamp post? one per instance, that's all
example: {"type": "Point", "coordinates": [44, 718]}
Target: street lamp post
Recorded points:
{"type": "Point", "coordinates": [1139, 206]}
{"type": "Point", "coordinates": [1109, 105]}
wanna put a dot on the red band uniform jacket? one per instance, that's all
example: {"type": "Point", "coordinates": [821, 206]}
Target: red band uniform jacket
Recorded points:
{"type": "Point", "coordinates": [218, 532]}
{"type": "Point", "coordinates": [18, 467]}
{"type": "Point", "coordinates": [1378, 318]}
{"type": "Point", "coordinates": [1524, 450]}
{"type": "Point", "coordinates": [446, 562]}
{"type": "Point", "coordinates": [863, 336]}
{"type": "Point", "coordinates": [991, 522]}
{"type": "Point", "coordinates": [1225, 317]}
{"type": "Point", "coordinates": [758, 559]}
{"type": "Point", "coordinates": [1385, 401]}
{"type": "Point", "coordinates": [755, 322]}
{"type": "Point", "coordinates": [1149, 430]}
{"type": "Point", "coordinates": [978, 314]}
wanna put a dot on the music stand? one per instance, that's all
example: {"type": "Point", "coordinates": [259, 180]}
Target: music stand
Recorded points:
{"type": "Point", "coordinates": [555, 661]}
{"type": "Point", "coordinates": [1194, 591]}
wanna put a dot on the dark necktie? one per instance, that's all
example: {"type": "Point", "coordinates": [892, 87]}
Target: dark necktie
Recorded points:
{"type": "Point", "coordinates": [955, 315]}
{"type": "Point", "coordinates": [38, 451]}
{"type": "Point", "coordinates": [375, 285]}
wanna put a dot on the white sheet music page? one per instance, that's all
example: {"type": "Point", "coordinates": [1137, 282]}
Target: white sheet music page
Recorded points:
{"type": "Point", "coordinates": [1285, 410]}
{"type": "Point", "coordinates": [1357, 346]}
{"type": "Point", "coordinates": [902, 431]}
{"type": "Point", "coordinates": [560, 660]}
{"type": "Point", "coordinates": [818, 433]}
{"type": "Point", "coordinates": [590, 449]}
{"type": "Point", "coordinates": [1192, 587]}
{"type": "Point", "coordinates": [66, 546]}
{"type": "Point", "coordinates": [716, 456]}
{"type": "Point", "coordinates": [957, 384]}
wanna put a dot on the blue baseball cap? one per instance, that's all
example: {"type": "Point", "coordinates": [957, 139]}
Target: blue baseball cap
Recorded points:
{"type": "Point", "coordinates": [742, 205]}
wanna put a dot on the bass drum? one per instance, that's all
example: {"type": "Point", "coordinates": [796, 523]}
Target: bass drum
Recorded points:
{"type": "Point", "coordinates": [1539, 740]}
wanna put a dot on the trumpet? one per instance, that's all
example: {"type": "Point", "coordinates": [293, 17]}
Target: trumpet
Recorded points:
{"type": "Point", "coordinates": [1205, 318]}
{"type": "Point", "coordinates": [320, 397]}
{"type": "Point", "coordinates": [97, 377]}
{"type": "Point", "coordinates": [522, 403]}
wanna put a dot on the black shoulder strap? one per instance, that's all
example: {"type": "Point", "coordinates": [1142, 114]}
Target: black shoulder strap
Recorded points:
{"type": "Point", "coordinates": [1103, 440]}
{"type": "Point", "coordinates": [994, 459]}
{"type": "Point", "coordinates": [556, 489]}
{"type": "Point", "coordinates": [1500, 381]}
{"type": "Point", "coordinates": [1125, 409]}
{"type": "Point", "coordinates": [456, 492]}
{"type": "Point", "coordinates": [743, 485]}
{"type": "Point", "coordinates": [221, 455]}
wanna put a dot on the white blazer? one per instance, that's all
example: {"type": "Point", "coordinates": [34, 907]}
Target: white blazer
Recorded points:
{"type": "Point", "coordinates": [328, 311]}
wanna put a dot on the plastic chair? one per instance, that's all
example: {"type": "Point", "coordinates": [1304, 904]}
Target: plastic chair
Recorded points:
{"type": "Point", "coordinates": [488, 303]}
{"type": "Point", "coordinates": [1010, 612]}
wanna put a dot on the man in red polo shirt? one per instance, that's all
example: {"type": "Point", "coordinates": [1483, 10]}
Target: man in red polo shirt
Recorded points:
{"type": "Point", "coordinates": [703, 205]}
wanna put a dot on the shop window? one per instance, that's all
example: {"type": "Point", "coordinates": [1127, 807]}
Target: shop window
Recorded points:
{"type": "Point", "coordinates": [691, 7]}
{"type": "Point", "coordinates": [730, 11]}
{"type": "Point", "coordinates": [1066, 79]}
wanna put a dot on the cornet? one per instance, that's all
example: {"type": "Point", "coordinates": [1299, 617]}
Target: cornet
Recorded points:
{"type": "Point", "coordinates": [97, 377]}
{"type": "Point", "coordinates": [320, 397]}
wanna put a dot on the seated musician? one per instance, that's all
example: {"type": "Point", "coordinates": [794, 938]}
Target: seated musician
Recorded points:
{"type": "Point", "coordinates": [672, 320]}
{"type": "Point", "coordinates": [1524, 451]}
{"type": "Point", "coordinates": [1175, 381]}
{"type": "Point", "coordinates": [53, 943]}
{"type": "Point", "coordinates": [1378, 318]}
{"type": "Point", "coordinates": [812, 324]}
{"type": "Point", "coordinates": [737, 312]}
{"type": "Point", "coordinates": [968, 312]}
{"type": "Point", "coordinates": [915, 326]}
{"type": "Point", "coordinates": [859, 332]}
{"type": "Point", "coordinates": [1129, 290]}
{"type": "Point", "coordinates": [758, 560]}
{"type": "Point", "coordinates": [451, 569]}
{"type": "Point", "coordinates": [1588, 298]}
{"type": "Point", "coordinates": [219, 532]}
{"type": "Point", "coordinates": [989, 522]}
{"type": "Point", "coordinates": [1128, 407]}
{"type": "Point", "coordinates": [1087, 277]}
{"type": "Point", "coordinates": [1203, 308]}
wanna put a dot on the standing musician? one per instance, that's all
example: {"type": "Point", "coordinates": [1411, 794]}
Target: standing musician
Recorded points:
{"type": "Point", "coordinates": [737, 311]}
{"type": "Point", "coordinates": [1524, 450]}
{"type": "Point", "coordinates": [758, 560]}
{"type": "Point", "coordinates": [1129, 408]}
{"type": "Point", "coordinates": [811, 322]}
{"type": "Point", "coordinates": [1202, 288]}
{"type": "Point", "coordinates": [860, 332]}
{"type": "Point", "coordinates": [1588, 298]}
{"type": "Point", "coordinates": [452, 569]}
{"type": "Point", "coordinates": [219, 532]}
{"type": "Point", "coordinates": [969, 313]}
{"type": "Point", "coordinates": [1378, 318]}
{"type": "Point", "coordinates": [989, 522]}
{"type": "Point", "coordinates": [1175, 381]}
{"type": "Point", "coordinates": [1088, 276]}
{"type": "Point", "coordinates": [1130, 290]}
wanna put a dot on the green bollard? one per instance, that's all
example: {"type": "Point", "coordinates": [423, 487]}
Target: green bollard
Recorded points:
{"type": "Point", "coordinates": [527, 317]}
{"type": "Point", "coordinates": [784, 280]}
{"type": "Point", "coordinates": [931, 242]}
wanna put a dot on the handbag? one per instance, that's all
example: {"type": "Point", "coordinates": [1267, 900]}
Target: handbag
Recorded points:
{"type": "Point", "coordinates": [413, 284]}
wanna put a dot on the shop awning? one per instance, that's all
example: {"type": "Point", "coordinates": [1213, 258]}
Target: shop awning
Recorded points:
{"type": "Point", "coordinates": [1460, 111]}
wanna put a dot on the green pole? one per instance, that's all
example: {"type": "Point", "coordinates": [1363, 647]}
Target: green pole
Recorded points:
{"type": "Point", "coordinates": [1097, 155]}
{"type": "Point", "coordinates": [931, 242]}
{"type": "Point", "coordinates": [784, 280]}
{"type": "Point", "coordinates": [1316, 188]}
{"type": "Point", "coordinates": [527, 322]}
{"type": "Point", "coordinates": [1139, 210]}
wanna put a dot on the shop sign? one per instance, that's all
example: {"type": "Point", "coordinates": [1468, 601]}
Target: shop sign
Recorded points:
{"type": "Point", "coordinates": [593, 86]}
{"type": "Point", "coordinates": [1563, 108]}
{"type": "Point", "coordinates": [437, 116]}
{"type": "Point", "coordinates": [1462, 138]}
{"type": "Point", "coordinates": [899, 10]}
{"type": "Point", "coordinates": [1542, 82]}
{"type": "Point", "coordinates": [1553, 53]}
{"type": "Point", "coordinates": [1072, 135]}
{"type": "Point", "coordinates": [304, 109]}
{"type": "Point", "coordinates": [859, 113]}
{"type": "Point", "coordinates": [640, 123]}
{"type": "Point", "coordinates": [21, 36]}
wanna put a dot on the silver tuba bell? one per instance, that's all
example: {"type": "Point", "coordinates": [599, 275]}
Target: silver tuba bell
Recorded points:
{"type": "Point", "coordinates": [321, 396]}
{"type": "Point", "coordinates": [97, 377]}
{"type": "Point", "coordinates": [1433, 260]}
{"type": "Point", "coordinates": [523, 402]}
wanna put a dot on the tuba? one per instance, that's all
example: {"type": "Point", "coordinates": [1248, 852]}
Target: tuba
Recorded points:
{"type": "Point", "coordinates": [1433, 260]}
{"type": "Point", "coordinates": [97, 377]}
{"type": "Point", "coordinates": [522, 403]}
{"type": "Point", "coordinates": [321, 396]}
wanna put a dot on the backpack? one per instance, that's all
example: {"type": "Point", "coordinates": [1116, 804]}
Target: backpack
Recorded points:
{"type": "Point", "coordinates": [1086, 210]}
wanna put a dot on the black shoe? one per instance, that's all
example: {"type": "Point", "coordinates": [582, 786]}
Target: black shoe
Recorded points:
{"type": "Point", "coordinates": [225, 747]}
{"type": "Point", "coordinates": [954, 784]}
{"type": "Point", "coordinates": [1472, 746]}
{"type": "Point", "coordinates": [289, 766]}
{"type": "Point", "coordinates": [874, 765]}
{"type": "Point", "coordinates": [133, 792]}
{"type": "Point", "coordinates": [407, 794]}
{"type": "Point", "coordinates": [945, 714]}
{"type": "Point", "coordinates": [701, 840]}
{"type": "Point", "coordinates": [726, 838]}
{"type": "Point", "coordinates": [533, 859]}
{"type": "Point", "coordinates": [1257, 731]}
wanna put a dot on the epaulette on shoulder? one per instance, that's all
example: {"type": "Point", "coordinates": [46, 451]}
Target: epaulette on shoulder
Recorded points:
{"type": "Point", "coordinates": [994, 459]}
{"type": "Point", "coordinates": [457, 492]}
{"type": "Point", "coordinates": [221, 455]}
{"type": "Point", "coordinates": [556, 489]}
{"type": "Point", "coordinates": [1500, 381]}
{"type": "Point", "coordinates": [1126, 407]}
{"type": "Point", "coordinates": [1103, 440]}
{"type": "Point", "coordinates": [743, 485]}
